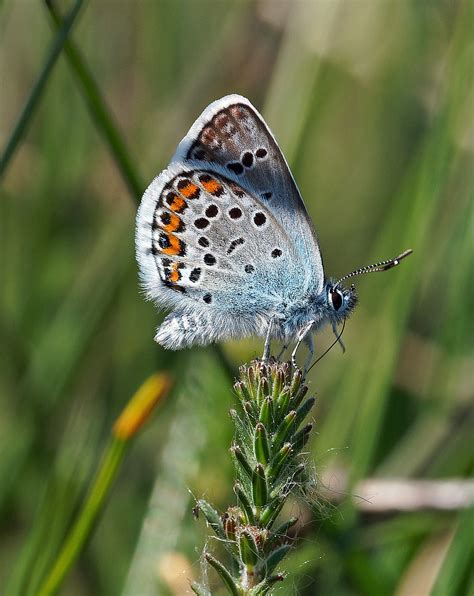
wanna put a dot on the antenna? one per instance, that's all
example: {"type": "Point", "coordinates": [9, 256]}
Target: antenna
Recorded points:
{"type": "Point", "coordinates": [382, 266]}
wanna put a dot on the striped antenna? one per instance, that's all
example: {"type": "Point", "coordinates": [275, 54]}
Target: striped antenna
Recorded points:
{"type": "Point", "coordinates": [382, 266]}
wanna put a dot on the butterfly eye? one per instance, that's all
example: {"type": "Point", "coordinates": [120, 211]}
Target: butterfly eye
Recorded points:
{"type": "Point", "coordinates": [336, 298]}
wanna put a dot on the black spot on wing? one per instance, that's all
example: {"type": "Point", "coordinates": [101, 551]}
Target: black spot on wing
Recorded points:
{"type": "Point", "coordinates": [195, 274]}
{"type": "Point", "coordinates": [209, 259]}
{"type": "Point", "coordinates": [212, 211]}
{"type": "Point", "coordinates": [235, 213]}
{"type": "Point", "coordinates": [247, 159]}
{"type": "Point", "coordinates": [201, 223]}
{"type": "Point", "coordinates": [234, 244]}
{"type": "Point", "coordinates": [236, 167]}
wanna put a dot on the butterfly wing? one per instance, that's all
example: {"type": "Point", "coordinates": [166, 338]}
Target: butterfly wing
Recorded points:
{"type": "Point", "coordinates": [232, 134]}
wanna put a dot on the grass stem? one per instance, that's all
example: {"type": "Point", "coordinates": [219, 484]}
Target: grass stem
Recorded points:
{"type": "Point", "coordinates": [99, 111]}
{"type": "Point", "coordinates": [36, 92]}
{"type": "Point", "coordinates": [136, 412]}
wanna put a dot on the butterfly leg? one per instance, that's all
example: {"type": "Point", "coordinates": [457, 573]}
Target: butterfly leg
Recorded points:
{"type": "Point", "coordinates": [309, 341]}
{"type": "Point", "coordinates": [268, 340]}
{"type": "Point", "coordinates": [301, 336]}
{"type": "Point", "coordinates": [282, 351]}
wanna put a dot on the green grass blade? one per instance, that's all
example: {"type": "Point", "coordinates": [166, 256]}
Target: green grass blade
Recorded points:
{"type": "Point", "coordinates": [99, 111]}
{"type": "Point", "coordinates": [135, 414]}
{"type": "Point", "coordinates": [39, 86]}
{"type": "Point", "coordinates": [69, 474]}
{"type": "Point", "coordinates": [106, 474]}
{"type": "Point", "coordinates": [458, 560]}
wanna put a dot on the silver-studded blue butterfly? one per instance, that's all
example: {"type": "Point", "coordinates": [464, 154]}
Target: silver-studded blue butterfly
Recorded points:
{"type": "Point", "coordinates": [224, 240]}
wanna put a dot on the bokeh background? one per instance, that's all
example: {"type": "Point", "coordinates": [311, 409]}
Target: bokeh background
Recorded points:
{"type": "Point", "coordinates": [372, 103]}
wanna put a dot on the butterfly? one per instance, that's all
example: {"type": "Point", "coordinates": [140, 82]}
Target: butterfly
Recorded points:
{"type": "Point", "coordinates": [223, 239]}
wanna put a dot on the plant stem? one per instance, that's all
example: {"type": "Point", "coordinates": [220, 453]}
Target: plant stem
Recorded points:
{"type": "Point", "coordinates": [266, 451]}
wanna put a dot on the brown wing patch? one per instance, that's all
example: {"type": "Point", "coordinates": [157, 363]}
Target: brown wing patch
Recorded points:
{"type": "Point", "coordinates": [220, 130]}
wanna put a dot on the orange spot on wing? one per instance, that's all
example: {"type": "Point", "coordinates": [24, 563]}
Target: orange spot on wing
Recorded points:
{"type": "Point", "coordinates": [176, 246]}
{"type": "Point", "coordinates": [175, 275]}
{"type": "Point", "coordinates": [190, 191]}
{"type": "Point", "coordinates": [174, 224]}
{"type": "Point", "coordinates": [212, 186]}
{"type": "Point", "coordinates": [176, 203]}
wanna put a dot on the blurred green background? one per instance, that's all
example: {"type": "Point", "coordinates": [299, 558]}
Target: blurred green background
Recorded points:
{"type": "Point", "coordinates": [372, 103]}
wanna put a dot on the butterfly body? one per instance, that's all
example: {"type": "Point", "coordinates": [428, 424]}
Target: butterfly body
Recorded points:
{"type": "Point", "coordinates": [224, 240]}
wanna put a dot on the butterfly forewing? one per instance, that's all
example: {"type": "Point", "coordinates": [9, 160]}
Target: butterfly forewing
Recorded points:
{"type": "Point", "coordinates": [232, 134]}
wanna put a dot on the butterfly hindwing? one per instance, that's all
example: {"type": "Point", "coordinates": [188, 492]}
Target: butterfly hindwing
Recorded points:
{"type": "Point", "coordinates": [202, 237]}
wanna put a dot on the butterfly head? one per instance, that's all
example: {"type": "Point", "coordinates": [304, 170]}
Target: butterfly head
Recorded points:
{"type": "Point", "coordinates": [340, 301]}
